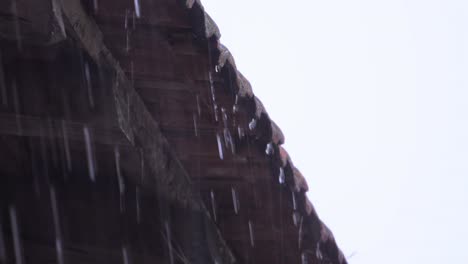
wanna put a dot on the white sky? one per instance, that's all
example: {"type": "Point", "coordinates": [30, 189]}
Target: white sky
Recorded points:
{"type": "Point", "coordinates": [373, 99]}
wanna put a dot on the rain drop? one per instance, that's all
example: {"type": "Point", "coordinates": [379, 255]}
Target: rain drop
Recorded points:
{"type": "Point", "coordinates": [213, 205]}
{"type": "Point", "coordinates": [235, 200]}
{"type": "Point", "coordinates": [295, 217]}
{"type": "Point", "coordinates": [253, 124]}
{"type": "Point", "coordinates": [95, 5]}
{"type": "Point", "coordinates": [212, 89]}
{"type": "Point", "coordinates": [304, 258]}
{"type": "Point", "coordinates": [220, 146]}
{"type": "Point", "coordinates": [119, 178]}
{"type": "Point", "coordinates": [137, 198]}
{"type": "Point", "coordinates": [294, 201]}
{"type": "Point", "coordinates": [252, 242]}
{"type": "Point", "coordinates": [58, 236]}
{"type": "Point", "coordinates": [89, 85]}
{"type": "Point", "coordinates": [3, 257]}
{"type": "Point", "coordinates": [195, 126]}
{"type": "Point", "coordinates": [318, 252]}
{"type": "Point", "coordinates": [17, 108]}
{"type": "Point", "coordinates": [2, 84]}
{"type": "Point", "coordinates": [16, 236]}
{"type": "Point", "coordinates": [281, 177]}
{"type": "Point", "coordinates": [14, 10]}
{"type": "Point", "coordinates": [66, 146]}
{"type": "Point", "coordinates": [125, 255]}
{"type": "Point", "coordinates": [137, 8]}
{"type": "Point", "coordinates": [89, 154]}
{"type": "Point", "coordinates": [198, 105]}
{"type": "Point", "coordinates": [269, 149]}
{"type": "Point", "coordinates": [169, 243]}
{"type": "Point", "coordinates": [240, 132]}
{"type": "Point", "coordinates": [126, 19]}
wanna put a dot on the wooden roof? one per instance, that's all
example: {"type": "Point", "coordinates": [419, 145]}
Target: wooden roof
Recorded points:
{"type": "Point", "coordinates": [128, 133]}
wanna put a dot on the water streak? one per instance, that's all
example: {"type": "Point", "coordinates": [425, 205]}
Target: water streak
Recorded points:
{"type": "Point", "coordinates": [252, 240]}
{"type": "Point", "coordinates": [58, 235]}
{"type": "Point", "coordinates": [3, 89]}
{"type": "Point", "coordinates": [89, 85]}
{"type": "Point", "coordinates": [89, 154]}
{"type": "Point", "coordinates": [252, 124]}
{"type": "Point", "coordinates": [169, 242]}
{"type": "Point", "coordinates": [16, 236]}
{"type": "Point", "coordinates": [294, 201]}
{"type": "Point", "coordinates": [269, 149]}
{"type": "Point", "coordinates": [195, 126]}
{"type": "Point", "coordinates": [3, 256]}
{"type": "Point", "coordinates": [137, 198]}
{"type": "Point", "coordinates": [235, 200]}
{"type": "Point", "coordinates": [16, 104]}
{"type": "Point", "coordinates": [125, 255]}
{"type": "Point", "coordinates": [213, 205]}
{"type": "Point", "coordinates": [66, 145]}
{"type": "Point", "coordinates": [14, 11]}
{"type": "Point", "coordinates": [137, 8]}
{"type": "Point", "coordinates": [220, 146]}
{"type": "Point", "coordinates": [281, 177]}
{"type": "Point", "coordinates": [119, 178]}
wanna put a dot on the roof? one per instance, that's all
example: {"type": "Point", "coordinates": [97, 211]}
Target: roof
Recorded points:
{"type": "Point", "coordinates": [275, 136]}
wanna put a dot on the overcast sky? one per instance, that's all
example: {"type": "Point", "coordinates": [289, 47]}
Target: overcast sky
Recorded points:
{"type": "Point", "coordinates": [373, 99]}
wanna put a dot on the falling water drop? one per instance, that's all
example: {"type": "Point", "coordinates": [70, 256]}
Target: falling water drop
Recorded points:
{"type": "Point", "coordinates": [227, 137]}
{"type": "Point", "coordinates": [66, 146]}
{"type": "Point", "coordinates": [16, 236]}
{"type": "Point", "coordinates": [318, 252]}
{"type": "Point", "coordinates": [235, 200]}
{"type": "Point", "coordinates": [96, 6]}
{"type": "Point", "coordinates": [119, 178]}
{"type": "Point", "coordinates": [58, 235]}
{"type": "Point", "coordinates": [252, 240]}
{"type": "Point", "coordinates": [300, 233]}
{"type": "Point", "coordinates": [137, 8]}
{"type": "Point", "coordinates": [281, 177]}
{"type": "Point", "coordinates": [269, 149]}
{"type": "Point", "coordinates": [225, 116]}
{"type": "Point", "coordinates": [3, 89]}
{"type": "Point", "coordinates": [14, 11]}
{"type": "Point", "coordinates": [19, 125]}
{"type": "Point", "coordinates": [212, 89]}
{"type": "Point", "coordinates": [220, 146]}
{"type": "Point", "coordinates": [252, 124]}
{"type": "Point", "coordinates": [169, 242]}
{"type": "Point", "coordinates": [89, 154]}
{"type": "Point", "coordinates": [294, 201]}
{"type": "Point", "coordinates": [195, 126]}
{"type": "Point", "coordinates": [235, 108]}
{"type": "Point", "coordinates": [127, 40]}
{"type": "Point", "coordinates": [213, 205]}
{"type": "Point", "coordinates": [198, 105]}
{"type": "Point", "coordinates": [137, 198]}
{"type": "Point", "coordinates": [240, 132]}
{"type": "Point", "coordinates": [215, 110]}
{"type": "Point", "coordinates": [142, 165]}
{"type": "Point", "coordinates": [126, 19]}
{"type": "Point", "coordinates": [125, 255]}
{"type": "Point", "coordinates": [89, 85]}
{"type": "Point", "coordinates": [295, 217]}
{"type": "Point", "coordinates": [304, 258]}
{"type": "Point", "coordinates": [3, 256]}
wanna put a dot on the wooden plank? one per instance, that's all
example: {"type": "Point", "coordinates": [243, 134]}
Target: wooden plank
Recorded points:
{"type": "Point", "coordinates": [30, 126]}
